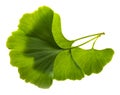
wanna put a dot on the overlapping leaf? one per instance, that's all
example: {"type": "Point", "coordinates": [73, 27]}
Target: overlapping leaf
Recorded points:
{"type": "Point", "coordinates": [92, 60]}
{"type": "Point", "coordinates": [42, 53]}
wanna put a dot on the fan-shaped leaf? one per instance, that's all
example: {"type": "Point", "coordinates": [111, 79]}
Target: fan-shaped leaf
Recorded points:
{"type": "Point", "coordinates": [57, 33]}
{"type": "Point", "coordinates": [27, 72]}
{"type": "Point", "coordinates": [66, 68]}
{"type": "Point", "coordinates": [42, 53]}
{"type": "Point", "coordinates": [92, 61]}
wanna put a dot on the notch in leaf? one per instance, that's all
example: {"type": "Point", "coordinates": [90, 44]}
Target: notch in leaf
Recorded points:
{"type": "Point", "coordinates": [42, 53]}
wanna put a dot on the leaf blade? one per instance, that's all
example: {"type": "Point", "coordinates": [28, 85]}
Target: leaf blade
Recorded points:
{"type": "Point", "coordinates": [92, 61]}
{"type": "Point", "coordinates": [57, 33]}
{"type": "Point", "coordinates": [65, 67]}
{"type": "Point", "coordinates": [27, 72]}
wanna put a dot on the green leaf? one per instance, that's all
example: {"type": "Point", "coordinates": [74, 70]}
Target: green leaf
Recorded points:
{"type": "Point", "coordinates": [66, 68]}
{"type": "Point", "coordinates": [58, 36]}
{"type": "Point", "coordinates": [25, 67]}
{"type": "Point", "coordinates": [42, 53]}
{"type": "Point", "coordinates": [92, 60]}
{"type": "Point", "coordinates": [34, 48]}
{"type": "Point", "coordinates": [39, 25]}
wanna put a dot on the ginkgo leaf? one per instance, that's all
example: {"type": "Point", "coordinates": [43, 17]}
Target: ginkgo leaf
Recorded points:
{"type": "Point", "coordinates": [92, 60]}
{"type": "Point", "coordinates": [66, 68]}
{"type": "Point", "coordinates": [34, 41]}
{"type": "Point", "coordinates": [42, 53]}
{"type": "Point", "coordinates": [57, 33]}
{"type": "Point", "coordinates": [25, 68]}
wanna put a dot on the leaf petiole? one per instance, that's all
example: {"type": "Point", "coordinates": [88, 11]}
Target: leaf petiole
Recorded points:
{"type": "Point", "coordinates": [95, 38]}
{"type": "Point", "coordinates": [102, 33]}
{"type": "Point", "coordinates": [85, 42]}
{"type": "Point", "coordinates": [95, 41]}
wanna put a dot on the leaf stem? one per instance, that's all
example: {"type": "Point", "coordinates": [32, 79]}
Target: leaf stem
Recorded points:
{"type": "Point", "coordinates": [102, 33]}
{"type": "Point", "coordinates": [95, 41]}
{"type": "Point", "coordinates": [85, 42]}
{"type": "Point", "coordinates": [95, 38]}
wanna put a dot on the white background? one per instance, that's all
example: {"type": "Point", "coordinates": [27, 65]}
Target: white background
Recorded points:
{"type": "Point", "coordinates": [79, 17]}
